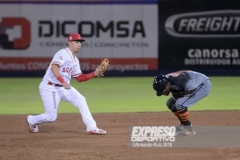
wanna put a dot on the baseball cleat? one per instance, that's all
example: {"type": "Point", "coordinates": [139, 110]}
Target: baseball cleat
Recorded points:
{"type": "Point", "coordinates": [179, 128]}
{"type": "Point", "coordinates": [97, 132]}
{"type": "Point", "coordinates": [182, 130]}
{"type": "Point", "coordinates": [186, 132]}
{"type": "Point", "coordinates": [33, 128]}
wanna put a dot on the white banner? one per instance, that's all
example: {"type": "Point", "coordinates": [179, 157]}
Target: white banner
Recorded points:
{"type": "Point", "coordinates": [113, 31]}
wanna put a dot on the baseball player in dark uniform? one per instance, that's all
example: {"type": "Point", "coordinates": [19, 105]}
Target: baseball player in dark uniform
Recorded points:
{"type": "Point", "coordinates": [187, 88]}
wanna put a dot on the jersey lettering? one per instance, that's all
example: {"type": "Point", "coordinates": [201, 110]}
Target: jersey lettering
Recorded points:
{"type": "Point", "coordinates": [68, 66]}
{"type": "Point", "coordinates": [66, 69]}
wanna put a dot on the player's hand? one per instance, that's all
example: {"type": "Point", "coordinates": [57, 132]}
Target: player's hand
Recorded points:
{"type": "Point", "coordinates": [66, 85]}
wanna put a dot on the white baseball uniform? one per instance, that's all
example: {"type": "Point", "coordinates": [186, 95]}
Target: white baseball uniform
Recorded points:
{"type": "Point", "coordinates": [51, 94]}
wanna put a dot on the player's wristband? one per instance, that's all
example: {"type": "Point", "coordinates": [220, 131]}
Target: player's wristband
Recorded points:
{"type": "Point", "coordinates": [60, 79]}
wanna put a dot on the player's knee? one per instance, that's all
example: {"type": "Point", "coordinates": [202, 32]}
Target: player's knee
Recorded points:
{"type": "Point", "coordinates": [206, 94]}
{"type": "Point", "coordinates": [170, 104]}
{"type": "Point", "coordinates": [79, 97]}
{"type": "Point", "coordinates": [179, 106]}
{"type": "Point", "coordinates": [82, 98]}
{"type": "Point", "coordinates": [79, 101]}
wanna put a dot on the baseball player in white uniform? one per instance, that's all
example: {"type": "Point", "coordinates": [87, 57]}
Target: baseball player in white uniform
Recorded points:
{"type": "Point", "coordinates": [55, 86]}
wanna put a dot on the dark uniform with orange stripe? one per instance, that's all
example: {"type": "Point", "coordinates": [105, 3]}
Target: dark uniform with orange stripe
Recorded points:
{"type": "Point", "coordinates": [187, 88]}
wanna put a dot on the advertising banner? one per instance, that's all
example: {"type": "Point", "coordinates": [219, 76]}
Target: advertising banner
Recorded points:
{"type": "Point", "coordinates": [199, 34]}
{"type": "Point", "coordinates": [126, 32]}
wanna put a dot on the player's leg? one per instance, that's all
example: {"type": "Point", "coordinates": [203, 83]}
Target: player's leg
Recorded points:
{"type": "Point", "coordinates": [192, 99]}
{"type": "Point", "coordinates": [79, 101]}
{"type": "Point", "coordinates": [182, 104]}
{"type": "Point", "coordinates": [51, 99]}
{"type": "Point", "coordinates": [185, 128]}
{"type": "Point", "coordinates": [171, 106]}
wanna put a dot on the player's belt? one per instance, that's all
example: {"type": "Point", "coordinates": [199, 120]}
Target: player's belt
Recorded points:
{"type": "Point", "coordinates": [57, 85]}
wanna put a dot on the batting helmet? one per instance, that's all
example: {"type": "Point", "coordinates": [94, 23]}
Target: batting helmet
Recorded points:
{"type": "Point", "coordinates": [159, 84]}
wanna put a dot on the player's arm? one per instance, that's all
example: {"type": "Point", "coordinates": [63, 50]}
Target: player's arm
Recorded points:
{"type": "Point", "coordinates": [85, 77]}
{"type": "Point", "coordinates": [56, 73]}
{"type": "Point", "coordinates": [183, 86]}
{"type": "Point", "coordinates": [98, 72]}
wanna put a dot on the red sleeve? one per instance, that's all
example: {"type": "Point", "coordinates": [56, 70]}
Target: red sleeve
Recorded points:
{"type": "Point", "coordinates": [85, 77]}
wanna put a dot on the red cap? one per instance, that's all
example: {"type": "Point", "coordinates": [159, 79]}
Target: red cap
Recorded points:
{"type": "Point", "coordinates": [75, 37]}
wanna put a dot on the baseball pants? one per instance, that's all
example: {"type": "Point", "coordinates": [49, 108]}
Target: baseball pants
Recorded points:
{"type": "Point", "coordinates": [193, 98]}
{"type": "Point", "coordinates": [51, 97]}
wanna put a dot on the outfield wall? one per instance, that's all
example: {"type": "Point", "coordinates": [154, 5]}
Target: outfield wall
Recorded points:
{"type": "Point", "coordinates": [140, 37]}
{"type": "Point", "coordinates": [123, 31]}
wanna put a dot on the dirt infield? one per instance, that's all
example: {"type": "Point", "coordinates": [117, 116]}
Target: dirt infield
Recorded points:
{"type": "Point", "coordinates": [65, 139]}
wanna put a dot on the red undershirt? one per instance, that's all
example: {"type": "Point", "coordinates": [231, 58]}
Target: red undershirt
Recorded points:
{"type": "Point", "coordinates": [85, 77]}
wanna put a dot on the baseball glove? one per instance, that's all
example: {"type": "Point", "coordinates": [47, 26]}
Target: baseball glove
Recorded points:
{"type": "Point", "coordinates": [102, 67]}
